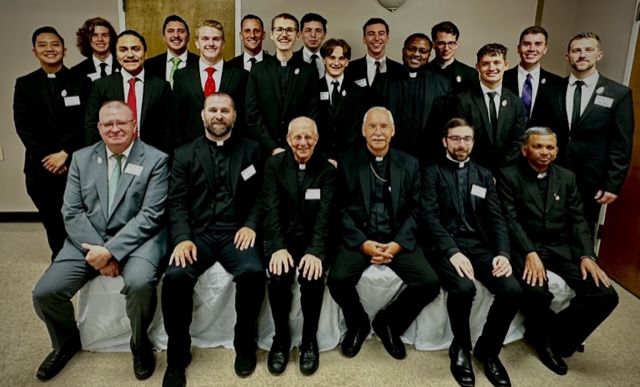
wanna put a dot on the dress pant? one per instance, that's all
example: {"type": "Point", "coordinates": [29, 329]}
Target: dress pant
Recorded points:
{"type": "Point", "coordinates": [47, 191]}
{"type": "Point", "coordinates": [569, 328]}
{"type": "Point", "coordinates": [311, 296]}
{"type": "Point", "coordinates": [53, 292]}
{"type": "Point", "coordinates": [461, 292]}
{"type": "Point", "coordinates": [177, 293]}
{"type": "Point", "coordinates": [411, 266]}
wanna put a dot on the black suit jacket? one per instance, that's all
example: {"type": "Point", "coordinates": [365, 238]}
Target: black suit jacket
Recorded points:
{"type": "Point", "coordinates": [154, 122]}
{"type": "Point", "coordinates": [390, 91]}
{"type": "Point", "coordinates": [86, 67]}
{"type": "Point", "coordinates": [158, 64]}
{"type": "Point", "coordinates": [598, 149]}
{"type": "Point", "coordinates": [459, 74]}
{"type": "Point", "coordinates": [441, 208]}
{"type": "Point", "coordinates": [555, 222]}
{"type": "Point", "coordinates": [470, 105]}
{"type": "Point", "coordinates": [188, 100]}
{"type": "Point", "coordinates": [287, 206]}
{"type": "Point", "coordinates": [547, 79]}
{"type": "Point", "coordinates": [268, 113]}
{"type": "Point", "coordinates": [44, 122]}
{"type": "Point", "coordinates": [355, 197]}
{"type": "Point", "coordinates": [357, 69]}
{"type": "Point", "coordinates": [340, 125]}
{"type": "Point", "coordinates": [192, 187]}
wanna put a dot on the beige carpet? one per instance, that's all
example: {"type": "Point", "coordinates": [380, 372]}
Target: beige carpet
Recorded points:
{"type": "Point", "coordinates": [612, 356]}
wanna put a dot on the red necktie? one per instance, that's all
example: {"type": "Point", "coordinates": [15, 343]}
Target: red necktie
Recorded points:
{"type": "Point", "coordinates": [131, 98]}
{"type": "Point", "coordinates": [209, 84]}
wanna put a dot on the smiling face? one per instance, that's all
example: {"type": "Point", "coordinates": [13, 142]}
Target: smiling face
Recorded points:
{"type": "Point", "coordinates": [131, 54]}
{"type": "Point", "coordinates": [219, 116]}
{"type": "Point", "coordinates": [540, 151]}
{"type": "Point", "coordinates": [445, 46]}
{"type": "Point", "coordinates": [284, 34]}
{"type": "Point", "coordinates": [459, 142]}
{"type": "Point", "coordinates": [49, 50]}
{"type": "Point", "coordinates": [531, 49]}
{"type": "Point", "coordinates": [583, 55]}
{"type": "Point", "coordinates": [100, 41]}
{"type": "Point", "coordinates": [176, 37]}
{"type": "Point", "coordinates": [302, 138]}
{"type": "Point", "coordinates": [491, 68]}
{"type": "Point", "coordinates": [252, 36]}
{"type": "Point", "coordinates": [415, 53]}
{"type": "Point", "coordinates": [117, 127]}
{"type": "Point", "coordinates": [312, 35]}
{"type": "Point", "coordinates": [376, 38]}
{"type": "Point", "coordinates": [210, 42]}
{"type": "Point", "coordinates": [336, 62]}
{"type": "Point", "coordinates": [377, 130]}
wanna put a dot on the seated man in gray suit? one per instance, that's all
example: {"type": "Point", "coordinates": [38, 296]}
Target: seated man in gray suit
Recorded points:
{"type": "Point", "coordinates": [113, 210]}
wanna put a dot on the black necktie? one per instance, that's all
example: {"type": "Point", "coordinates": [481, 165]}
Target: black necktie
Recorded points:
{"type": "Point", "coordinates": [334, 93]}
{"type": "Point", "coordinates": [377, 63]}
{"type": "Point", "coordinates": [253, 62]}
{"type": "Point", "coordinates": [493, 116]}
{"type": "Point", "coordinates": [103, 70]}
{"type": "Point", "coordinates": [577, 99]}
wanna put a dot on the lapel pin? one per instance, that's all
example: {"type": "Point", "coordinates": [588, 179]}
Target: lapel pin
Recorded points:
{"type": "Point", "coordinates": [504, 103]}
{"type": "Point", "coordinates": [64, 93]}
{"type": "Point", "coordinates": [99, 159]}
{"type": "Point", "coordinates": [600, 90]}
{"type": "Point", "coordinates": [543, 80]}
{"type": "Point", "coordinates": [556, 196]}
{"type": "Point", "coordinates": [296, 71]}
{"type": "Point", "coordinates": [344, 93]}
{"type": "Point", "coordinates": [458, 79]}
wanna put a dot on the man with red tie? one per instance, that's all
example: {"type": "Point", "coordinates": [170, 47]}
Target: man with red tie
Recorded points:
{"type": "Point", "coordinates": [148, 96]}
{"type": "Point", "coordinates": [198, 80]}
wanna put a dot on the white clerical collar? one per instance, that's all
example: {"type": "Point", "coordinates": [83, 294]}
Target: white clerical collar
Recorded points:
{"type": "Point", "coordinates": [413, 74]}
{"type": "Point", "coordinates": [461, 164]}
{"type": "Point", "coordinates": [542, 175]}
{"type": "Point", "coordinates": [302, 166]}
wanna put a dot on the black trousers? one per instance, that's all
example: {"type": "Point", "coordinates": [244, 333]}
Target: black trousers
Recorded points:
{"type": "Point", "coordinates": [411, 266]}
{"type": "Point", "coordinates": [461, 292]}
{"type": "Point", "coordinates": [570, 327]}
{"type": "Point", "coordinates": [311, 296]}
{"type": "Point", "coordinates": [47, 192]}
{"type": "Point", "coordinates": [177, 293]}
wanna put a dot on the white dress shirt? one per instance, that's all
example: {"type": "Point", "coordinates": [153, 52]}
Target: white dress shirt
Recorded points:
{"type": "Point", "coordinates": [139, 92]}
{"type": "Point", "coordinates": [111, 161]}
{"type": "Point", "coordinates": [330, 80]}
{"type": "Point", "coordinates": [371, 67]}
{"type": "Point", "coordinates": [169, 66]}
{"type": "Point", "coordinates": [306, 55]}
{"type": "Point", "coordinates": [217, 74]}
{"type": "Point", "coordinates": [246, 59]}
{"type": "Point", "coordinates": [496, 99]}
{"type": "Point", "coordinates": [588, 88]}
{"type": "Point", "coordinates": [535, 82]}
{"type": "Point", "coordinates": [108, 61]}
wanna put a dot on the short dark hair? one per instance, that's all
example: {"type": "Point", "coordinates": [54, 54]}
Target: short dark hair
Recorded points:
{"type": "Point", "coordinates": [331, 44]}
{"type": "Point", "coordinates": [455, 123]}
{"type": "Point", "coordinates": [285, 16]}
{"type": "Point", "coordinates": [252, 17]}
{"type": "Point", "coordinates": [447, 27]}
{"type": "Point", "coordinates": [418, 35]}
{"type": "Point", "coordinates": [45, 30]}
{"type": "Point", "coordinates": [491, 49]}
{"type": "Point", "coordinates": [534, 30]}
{"type": "Point", "coordinates": [372, 21]}
{"type": "Point", "coordinates": [83, 35]}
{"type": "Point", "coordinates": [537, 130]}
{"type": "Point", "coordinates": [584, 35]}
{"type": "Point", "coordinates": [175, 18]}
{"type": "Point", "coordinates": [136, 34]}
{"type": "Point", "coordinates": [313, 17]}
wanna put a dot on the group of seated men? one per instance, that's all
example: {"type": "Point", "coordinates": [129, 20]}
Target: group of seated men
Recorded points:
{"type": "Point", "coordinates": [286, 163]}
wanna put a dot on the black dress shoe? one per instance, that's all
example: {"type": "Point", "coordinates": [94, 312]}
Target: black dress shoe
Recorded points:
{"type": "Point", "coordinates": [461, 367]}
{"type": "Point", "coordinates": [309, 357]}
{"type": "Point", "coordinates": [495, 371]}
{"type": "Point", "coordinates": [278, 356]}
{"type": "Point", "coordinates": [552, 360]}
{"type": "Point", "coordinates": [56, 360]}
{"type": "Point", "coordinates": [353, 340]}
{"type": "Point", "coordinates": [392, 342]}
{"type": "Point", "coordinates": [174, 377]}
{"type": "Point", "coordinates": [144, 363]}
{"type": "Point", "coordinates": [245, 363]}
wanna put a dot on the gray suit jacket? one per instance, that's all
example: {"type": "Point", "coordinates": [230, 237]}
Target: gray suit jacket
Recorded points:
{"type": "Point", "coordinates": [135, 227]}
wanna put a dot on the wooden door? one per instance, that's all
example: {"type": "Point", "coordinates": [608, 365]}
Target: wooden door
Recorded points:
{"type": "Point", "coordinates": [620, 245]}
{"type": "Point", "coordinates": [147, 16]}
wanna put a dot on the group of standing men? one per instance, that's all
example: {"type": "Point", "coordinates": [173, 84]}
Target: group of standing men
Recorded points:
{"type": "Point", "coordinates": [260, 189]}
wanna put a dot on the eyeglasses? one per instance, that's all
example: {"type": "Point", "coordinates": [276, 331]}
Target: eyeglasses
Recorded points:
{"type": "Point", "coordinates": [448, 44]}
{"type": "Point", "coordinates": [119, 124]}
{"type": "Point", "coordinates": [457, 139]}
{"type": "Point", "coordinates": [288, 30]}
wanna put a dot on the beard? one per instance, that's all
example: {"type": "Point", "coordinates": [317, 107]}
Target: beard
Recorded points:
{"type": "Point", "coordinates": [219, 129]}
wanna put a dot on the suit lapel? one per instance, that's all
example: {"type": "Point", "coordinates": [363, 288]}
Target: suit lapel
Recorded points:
{"type": "Point", "coordinates": [589, 107]}
{"type": "Point", "coordinates": [274, 77]}
{"type": "Point", "coordinates": [473, 179]}
{"type": "Point", "coordinates": [478, 99]}
{"type": "Point", "coordinates": [294, 75]}
{"type": "Point", "coordinates": [365, 181]}
{"type": "Point", "coordinates": [101, 177]}
{"type": "Point", "coordinates": [147, 92]}
{"type": "Point", "coordinates": [225, 79]}
{"type": "Point", "coordinates": [136, 157]}
{"type": "Point", "coordinates": [194, 79]}
{"type": "Point", "coordinates": [236, 161]}
{"type": "Point", "coordinates": [428, 100]}
{"type": "Point", "coordinates": [503, 116]}
{"type": "Point", "coordinates": [292, 180]}
{"type": "Point", "coordinates": [562, 103]}
{"type": "Point", "coordinates": [396, 176]}
{"type": "Point", "coordinates": [449, 176]}
{"type": "Point", "coordinates": [552, 190]}
{"type": "Point", "coordinates": [344, 93]}
{"type": "Point", "coordinates": [204, 156]}
{"type": "Point", "coordinates": [532, 188]}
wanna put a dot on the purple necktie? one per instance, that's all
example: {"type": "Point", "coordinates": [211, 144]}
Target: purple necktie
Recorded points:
{"type": "Point", "coordinates": [527, 94]}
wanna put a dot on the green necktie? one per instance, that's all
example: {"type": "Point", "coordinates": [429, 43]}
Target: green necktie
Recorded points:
{"type": "Point", "coordinates": [115, 177]}
{"type": "Point", "coordinates": [176, 63]}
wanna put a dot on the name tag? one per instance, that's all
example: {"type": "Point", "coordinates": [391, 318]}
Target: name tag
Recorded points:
{"type": "Point", "coordinates": [362, 82]}
{"type": "Point", "coordinates": [133, 169]}
{"type": "Point", "coordinates": [312, 194]}
{"type": "Point", "coordinates": [248, 172]}
{"type": "Point", "coordinates": [324, 96]}
{"type": "Point", "coordinates": [603, 101]}
{"type": "Point", "coordinates": [93, 76]}
{"type": "Point", "coordinates": [478, 191]}
{"type": "Point", "coordinates": [72, 101]}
